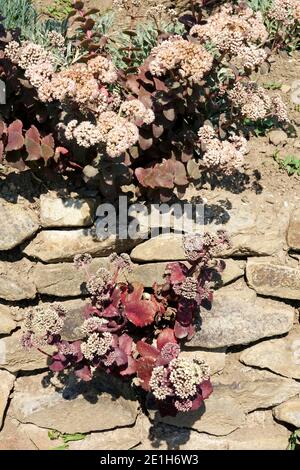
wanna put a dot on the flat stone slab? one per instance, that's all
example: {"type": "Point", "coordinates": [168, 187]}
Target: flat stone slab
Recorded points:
{"type": "Point", "coordinates": [281, 356]}
{"type": "Point", "coordinates": [218, 417]}
{"type": "Point", "coordinates": [252, 227]}
{"type": "Point", "coordinates": [288, 412]}
{"type": "Point", "coordinates": [161, 248]}
{"type": "Point", "coordinates": [238, 316]}
{"type": "Point", "coordinates": [118, 439]}
{"type": "Point", "coordinates": [272, 279]}
{"type": "Point", "coordinates": [293, 235]}
{"type": "Point", "coordinates": [259, 432]}
{"type": "Point", "coordinates": [17, 224]}
{"type": "Point", "coordinates": [62, 245]}
{"type": "Point", "coordinates": [78, 407]}
{"type": "Point", "coordinates": [6, 384]}
{"type": "Point", "coordinates": [14, 358]}
{"type": "Point", "coordinates": [64, 280]}
{"type": "Point", "coordinates": [12, 438]}
{"type": "Point", "coordinates": [15, 281]}
{"type": "Point", "coordinates": [7, 323]}
{"type": "Point", "coordinates": [56, 211]}
{"type": "Point", "coordinates": [262, 393]}
{"type": "Point", "coordinates": [216, 358]}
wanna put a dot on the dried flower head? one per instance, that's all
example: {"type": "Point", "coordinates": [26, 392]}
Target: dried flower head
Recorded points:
{"type": "Point", "coordinates": [56, 39]}
{"type": "Point", "coordinates": [97, 284]}
{"type": "Point", "coordinates": [82, 260]}
{"type": "Point", "coordinates": [121, 262]}
{"type": "Point", "coordinates": [285, 11]}
{"type": "Point", "coordinates": [121, 137]}
{"type": "Point", "coordinates": [85, 133]}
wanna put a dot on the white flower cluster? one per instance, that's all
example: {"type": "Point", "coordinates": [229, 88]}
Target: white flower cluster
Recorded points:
{"type": "Point", "coordinates": [179, 380]}
{"type": "Point", "coordinates": [97, 345]}
{"type": "Point", "coordinates": [186, 375]}
{"type": "Point", "coordinates": [45, 321]}
{"type": "Point", "coordinates": [103, 69]}
{"type": "Point", "coordinates": [92, 324]}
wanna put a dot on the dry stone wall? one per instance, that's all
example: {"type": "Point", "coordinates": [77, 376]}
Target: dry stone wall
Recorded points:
{"type": "Point", "coordinates": [250, 337]}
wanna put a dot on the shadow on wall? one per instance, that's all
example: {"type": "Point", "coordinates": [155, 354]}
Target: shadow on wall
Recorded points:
{"type": "Point", "coordinates": [167, 432]}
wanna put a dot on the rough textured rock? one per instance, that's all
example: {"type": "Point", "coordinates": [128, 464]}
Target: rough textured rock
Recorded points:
{"type": "Point", "coordinates": [278, 137]}
{"type": "Point", "coordinates": [259, 432]}
{"type": "Point", "coordinates": [278, 355]}
{"type": "Point", "coordinates": [7, 323]}
{"type": "Point", "coordinates": [147, 274]}
{"type": "Point", "coordinates": [288, 412]}
{"type": "Point", "coordinates": [239, 390]}
{"type": "Point", "coordinates": [18, 436]}
{"type": "Point", "coordinates": [62, 245]}
{"type": "Point", "coordinates": [69, 212]}
{"type": "Point", "coordinates": [14, 358]}
{"type": "Point", "coordinates": [216, 358]}
{"type": "Point", "coordinates": [234, 269]}
{"type": "Point", "coordinates": [15, 283]}
{"type": "Point", "coordinates": [224, 411]}
{"type": "Point", "coordinates": [237, 316]}
{"type": "Point", "coordinates": [74, 319]}
{"type": "Point", "coordinates": [37, 436]}
{"type": "Point", "coordinates": [17, 224]}
{"type": "Point", "coordinates": [6, 384]}
{"type": "Point", "coordinates": [13, 438]}
{"type": "Point", "coordinates": [272, 279]}
{"type": "Point", "coordinates": [293, 236]}
{"type": "Point", "coordinates": [252, 229]}
{"type": "Point", "coordinates": [75, 408]}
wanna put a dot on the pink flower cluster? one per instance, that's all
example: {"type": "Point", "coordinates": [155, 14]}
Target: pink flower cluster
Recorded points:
{"type": "Point", "coordinates": [189, 61]}
{"type": "Point", "coordinates": [254, 102]}
{"type": "Point", "coordinates": [226, 156]}
{"type": "Point", "coordinates": [285, 11]}
{"type": "Point", "coordinates": [235, 31]}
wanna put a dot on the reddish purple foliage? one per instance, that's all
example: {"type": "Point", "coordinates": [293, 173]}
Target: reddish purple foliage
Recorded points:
{"type": "Point", "coordinates": [127, 332]}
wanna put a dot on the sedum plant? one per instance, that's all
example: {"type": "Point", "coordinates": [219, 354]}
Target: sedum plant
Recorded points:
{"type": "Point", "coordinates": [134, 334]}
{"type": "Point", "coordinates": [282, 19]}
{"type": "Point", "coordinates": [145, 125]}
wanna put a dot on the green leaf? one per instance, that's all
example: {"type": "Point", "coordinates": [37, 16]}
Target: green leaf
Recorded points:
{"type": "Point", "coordinates": [62, 447]}
{"type": "Point", "coordinates": [53, 434]}
{"type": "Point", "coordinates": [73, 437]}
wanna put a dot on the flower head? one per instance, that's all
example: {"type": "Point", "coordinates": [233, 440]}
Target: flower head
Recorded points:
{"type": "Point", "coordinates": [96, 345]}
